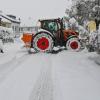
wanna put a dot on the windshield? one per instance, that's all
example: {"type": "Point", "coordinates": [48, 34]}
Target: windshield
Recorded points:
{"type": "Point", "coordinates": [51, 26]}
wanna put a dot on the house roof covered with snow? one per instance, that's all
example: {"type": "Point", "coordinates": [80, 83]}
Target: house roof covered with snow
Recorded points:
{"type": "Point", "coordinates": [5, 20]}
{"type": "Point", "coordinates": [4, 16]}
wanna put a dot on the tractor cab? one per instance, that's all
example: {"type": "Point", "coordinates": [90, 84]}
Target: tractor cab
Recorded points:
{"type": "Point", "coordinates": [51, 25]}
{"type": "Point", "coordinates": [55, 27]}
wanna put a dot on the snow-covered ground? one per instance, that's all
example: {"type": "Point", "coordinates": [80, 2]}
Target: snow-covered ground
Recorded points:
{"type": "Point", "coordinates": [63, 76]}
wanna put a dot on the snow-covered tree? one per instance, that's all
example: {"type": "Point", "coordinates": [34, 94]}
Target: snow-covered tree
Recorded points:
{"type": "Point", "coordinates": [85, 9]}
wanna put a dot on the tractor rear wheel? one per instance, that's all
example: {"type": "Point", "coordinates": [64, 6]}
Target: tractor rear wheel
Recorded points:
{"type": "Point", "coordinates": [43, 42]}
{"type": "Point", "coordinates": [73, 44]}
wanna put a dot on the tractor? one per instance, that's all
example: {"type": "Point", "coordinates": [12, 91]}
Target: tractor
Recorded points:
{"type": "Point", "coordinates": [52, 33]}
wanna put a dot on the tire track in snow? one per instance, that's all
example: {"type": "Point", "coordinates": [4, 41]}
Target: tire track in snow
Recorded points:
{"type": "Point", "coordinates": [43, 89]}
{"type": "Point", "coordinates": [11, 65]}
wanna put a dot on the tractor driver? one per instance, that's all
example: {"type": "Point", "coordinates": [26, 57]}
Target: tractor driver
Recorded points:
{"type": "Point", "coordinates": [53, 26]}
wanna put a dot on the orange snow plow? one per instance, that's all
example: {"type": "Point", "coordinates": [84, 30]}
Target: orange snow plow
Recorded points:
{"type": "Point", "coordinates": [27, 38]}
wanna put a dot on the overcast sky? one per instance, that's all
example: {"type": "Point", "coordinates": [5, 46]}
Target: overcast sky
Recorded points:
{"type": "Point", "coordinates": [35, 9]}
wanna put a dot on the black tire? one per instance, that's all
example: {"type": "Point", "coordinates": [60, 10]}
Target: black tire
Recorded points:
{"type": "Point", "coordinates": [43, 42]}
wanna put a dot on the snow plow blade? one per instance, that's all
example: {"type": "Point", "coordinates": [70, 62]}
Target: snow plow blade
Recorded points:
{"type": "Point", "coordinates": [27, 38]}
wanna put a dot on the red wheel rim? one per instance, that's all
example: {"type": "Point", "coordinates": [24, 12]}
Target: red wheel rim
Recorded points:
{"type": "Point", "coordinates": [74, 45]}
{"type": "Point", "coordinates": [43, 43]}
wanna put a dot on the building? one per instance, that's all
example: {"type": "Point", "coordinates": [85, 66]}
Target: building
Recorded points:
{"type": "Point", "coordinates": [10, 21]}
{"type": "Point", "coordinates": [4, 22]}
{"type": "Point", "coordinates": [28, 29]}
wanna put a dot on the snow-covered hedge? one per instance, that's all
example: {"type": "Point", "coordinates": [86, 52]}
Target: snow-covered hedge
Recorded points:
{"type": "Point", "coordinates": [6, 34]}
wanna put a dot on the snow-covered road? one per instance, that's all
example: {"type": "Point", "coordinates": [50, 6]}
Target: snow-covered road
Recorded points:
{"type": "Point", "coordinates": [63, 76]}
{"type": "Point", "coordinates": [77, 77]}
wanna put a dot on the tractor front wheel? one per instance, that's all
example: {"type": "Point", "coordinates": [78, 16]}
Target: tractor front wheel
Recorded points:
{"type": "Point", "coordinates": [43, 42]}
{"type": "Point", "coordinates": [73, 44]}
